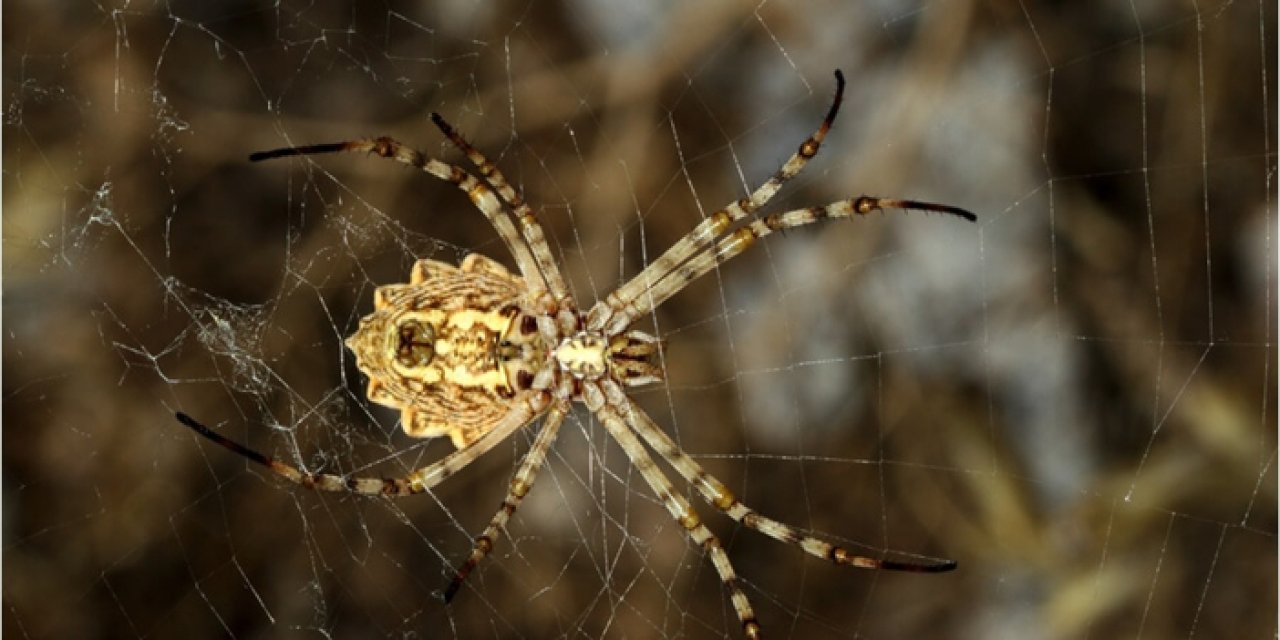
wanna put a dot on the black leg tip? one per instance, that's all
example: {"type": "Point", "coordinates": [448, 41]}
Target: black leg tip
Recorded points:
{"type": "Point", "coordinates": [934, 567]}
{"type": "Point", "coordinates": [451, 591]}
{"type": "Point", "coordinates": [441, 123]}
{"type": "Point", "coordinates": [189, 421]}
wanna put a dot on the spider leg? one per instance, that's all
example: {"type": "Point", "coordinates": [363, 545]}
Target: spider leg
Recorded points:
{"type": "Point", "coordinates": [683, 513]}
{"type": "Point", "coordinates": [529, 225]}
{"type": "Point", "coordinates": [687, 259]}
{"type": "Point", "coordinates": [418, 481]}
{"type": "Point", "coordinates": [480, 193]}
{"type": "Point", "coordinates": [521, 483]}
{"type": "Point", "coordinates": [717, 223]}
{"type": "Point", "coordinates": [719, 496]}
{"type": "Point", "coordinates": [735, 243]}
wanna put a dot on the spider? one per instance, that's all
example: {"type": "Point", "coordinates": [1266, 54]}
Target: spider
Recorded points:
{"type": "Point", "coordinates": [476, 352]}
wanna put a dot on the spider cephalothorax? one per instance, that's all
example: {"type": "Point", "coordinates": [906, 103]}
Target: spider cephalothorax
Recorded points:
{"type": "Point", "coordinates": [476, 352]}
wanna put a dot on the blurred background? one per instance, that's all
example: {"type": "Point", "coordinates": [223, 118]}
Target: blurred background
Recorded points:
{"type": "Point", "coordinates": [1074, 398]}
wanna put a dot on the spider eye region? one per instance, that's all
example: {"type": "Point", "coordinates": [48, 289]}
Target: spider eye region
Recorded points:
{"type": "Point", "coordinates": [636, 358]}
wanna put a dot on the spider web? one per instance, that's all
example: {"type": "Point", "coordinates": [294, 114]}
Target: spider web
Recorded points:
{"type": "Point", "coordinates": [1074, 398]}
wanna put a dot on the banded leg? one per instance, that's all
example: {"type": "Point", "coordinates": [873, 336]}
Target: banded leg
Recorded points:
{"type": "Point", "coordinates": [716, 224]}
{"type": "Point", "coordinates": [719, 496]}
{"type": "Point", "coordinates": [735, 243]}
{"type": "Point", "coordinates": [418, 481]}
{"type": "Point", "coordinates": [529, 225]}
{"type": "Point", "coordinates": [521, 482]}
{"type": "Point", "coordinates": [481, 195]}
{"type": "Point", "coordinates": [680, 509]}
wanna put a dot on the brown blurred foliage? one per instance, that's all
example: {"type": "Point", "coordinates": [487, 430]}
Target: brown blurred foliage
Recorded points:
{"type": "Point", "coordinates": [1074, 398]}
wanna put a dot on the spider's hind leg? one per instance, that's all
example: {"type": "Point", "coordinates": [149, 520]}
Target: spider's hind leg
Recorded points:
{"type": "Point", "coordinates": [530, 228]}
{"type": "Point", "coordinates": [521, 483]}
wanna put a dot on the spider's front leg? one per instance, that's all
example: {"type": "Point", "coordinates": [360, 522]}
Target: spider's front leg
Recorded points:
{"type": "Point", "coordinates": [713, 242]}
{"type": "Point", "coordinates": [677, 505]}
{"type": "Point", "coordinates": [718, 495]}
{"type": "Point", "coordinates": [715, 225]}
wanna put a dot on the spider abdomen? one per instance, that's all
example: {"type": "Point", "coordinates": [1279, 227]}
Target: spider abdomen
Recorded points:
{"type": "Point", "coordinates": [449, 349]}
